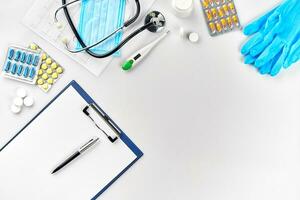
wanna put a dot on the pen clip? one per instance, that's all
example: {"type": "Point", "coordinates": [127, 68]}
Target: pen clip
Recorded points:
{"type": "Point", "coordinates": [88, 111]}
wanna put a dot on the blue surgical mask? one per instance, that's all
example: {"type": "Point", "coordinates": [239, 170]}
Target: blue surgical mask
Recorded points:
{"type": "Point", "coordinates": [99, 18]}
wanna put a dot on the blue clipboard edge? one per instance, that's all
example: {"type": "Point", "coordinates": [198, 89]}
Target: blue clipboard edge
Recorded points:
{"type": "Point", "coordinates": [89, 100]}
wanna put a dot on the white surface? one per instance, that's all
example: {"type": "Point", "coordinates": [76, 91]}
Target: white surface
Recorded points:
{"type": "Point", "coordinates": [47, 141]}
{"type": "Point", "coordinates": [211, 127]}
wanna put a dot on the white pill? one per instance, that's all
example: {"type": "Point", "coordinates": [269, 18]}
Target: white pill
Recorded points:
{"type": "Point", "coordinates": [15, 109]}
{"type": "Point", "coordinates": [65, 40]}
{"type": "Point", "coordinates": [194, 37]}
{"type": "Point", "coordinates": [58, 25]}
{"type": "Point", "coordinates": [182, 32]}
{"type": "Point", "coordinates": [28, 101]}
{"type": "Point", "coordinates": [18, 101]}
{"type": "Point", "coordinates": [21, 92]}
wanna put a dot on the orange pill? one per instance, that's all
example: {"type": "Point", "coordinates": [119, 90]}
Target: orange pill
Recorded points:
{"type": "Point", "coordinates": [214, 13]}
{"type": "Point", "coordinates": [224, 24]}
{"type": "Point", "coordinates": [229, 22]}
{"type": "Point", "coordinates": [209, 15]}
{"type": "Point", "coordinates": [205, 3]}
{"type": "Point", "coordinates": [232, 8]}
{"type": "Point", "coordinates": [219, 27]}
{"type": "Point", "coordinates": [220, 12]}
{"type": "Point", "coordinates": [212, 27]}
{"type": "Point", "coordinates": [235, 20]}
{"type": "Point", "coordinates": [226, 10]}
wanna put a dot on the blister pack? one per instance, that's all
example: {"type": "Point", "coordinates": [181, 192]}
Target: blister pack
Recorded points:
{"type": "Point", "coordinates": [221, 16]}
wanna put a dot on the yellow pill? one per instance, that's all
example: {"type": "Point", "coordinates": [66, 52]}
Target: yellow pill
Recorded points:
{"type": "Point", "coordinates": [33, 46]}
{"type": "Point", "coordinates": [54, 75]}
{"type": "Point", "coordinates": [220, 12]}
{"type": "Point", "coordinates": [205, 3]}
{"type": "Point", "coordinates": [214, 13]}
{"type": "Point", "coordinates": [229, 22]}
{"type": "Point", "coordinates": [224, 24]}
{"type": "Point", "coordinates": [45, 76]}
{"type": "Point", "coordinates": [49, 71]}
{"type": "Point", "coordinates": [50, 81]}
{"type": "Point", "coordinates": [212, 27]}
{"type": "Point", "coordinates": [45, 86]}
{"type": "Point", "coordinates": [40, 82]}
{"type": "Point", "coordinates": [54, 65]}
{"type": "Point", "coordinates": [48, 61]}
{"type": "Point", "coordinates": [59, 70]}
{"type": "Point", "coordinates": [232, 8]}
{"type": "Point", "coordinates": [40, 72]}
{"type": "Point", "coordinates": [44, 66]}
{"type": "Point", "coordinates": [209, 15]}
{"type": "Point", "coordinates": [225, 8]}
{"type": "Point", "coordinates": [44, 56]}
{"type": "Point", "coordinates": [236, 20]}
{"type": "Point", "coordinates": [219, 27]}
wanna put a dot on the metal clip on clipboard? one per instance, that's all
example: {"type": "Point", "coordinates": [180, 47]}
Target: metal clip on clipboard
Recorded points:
{"type": "Point", "coordinates": [93, 108]}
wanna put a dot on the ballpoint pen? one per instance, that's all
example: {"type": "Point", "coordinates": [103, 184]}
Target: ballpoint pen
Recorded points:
{"type": "Point", "coordinates": [81, 150]}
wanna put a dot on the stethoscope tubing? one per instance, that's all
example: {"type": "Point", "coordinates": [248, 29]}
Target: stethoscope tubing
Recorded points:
{"type": "Point", "coordinates": [126, 24]}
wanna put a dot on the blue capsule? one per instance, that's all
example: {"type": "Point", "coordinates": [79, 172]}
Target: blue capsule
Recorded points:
{"type": "Point", "coordinates": [23, 57]}
{"type": "Point", "coordinates": [36, 60]}
{"type": "Point", "coordinates": [20, 69]}
{"type": "Point", "coordinates": [26, 72]}
{"type": "Point", "coordinates": [14, 68]}
{"type": "Point", "coordinates": [32, 73]}
{"type": "Point", "coordinates": [7, 67]}
{"type": "Point", "coordinates": [11, 54]}
{"type": "Point", "coordinates": [18, 55]}
{"type": "Point", "coordinates": [29, 59]}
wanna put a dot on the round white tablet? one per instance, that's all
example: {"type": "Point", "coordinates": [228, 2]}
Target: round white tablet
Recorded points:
{"type": "Point", "coordinates": [28, 101]}
{"type": "Point", "coordinates": [194, 37]}
{"type": "Point", "coordinates": [18, 101]}
{"type": "Point", "coordinates": [15, 109]}
{"type": "Point", "coordinates": [21, 92]}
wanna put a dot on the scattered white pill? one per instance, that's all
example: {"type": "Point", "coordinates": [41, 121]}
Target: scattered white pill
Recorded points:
{"type": "Point", "coordinates": [18, 101]}
{"type": "Point", "coordinates": [15, 109]}
{"type": "Point", "coordinates": [182, 32]}
{"type": "Point", "coordinates": [21, 92]}
{"type": "Point", "coordinates": [194, 37]}
{"type": "Point", "coordinates": [65, 40]}
{"type": "Point", "coordinates": [58, 25]}
{"type": "Point", "coordinates": [28, 101]}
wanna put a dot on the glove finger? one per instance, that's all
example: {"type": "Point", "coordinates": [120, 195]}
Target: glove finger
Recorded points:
{"type": "Point", "coordinates": [249, 59]}
{"type": "Point", "coordinates": [266, 69]}
{"type": "Point", "coordinates": [256, 25]}
{"type": "Point", "coordinates": [256, 39]}
{"type": "Point", "coordinates": [269, 53]}
{"type": "Point", "coordinates": [259, 48]}
{"type": "Point", "coordinates": [280, 62]}
{"type": "Point", "coordinates": [293, 55]}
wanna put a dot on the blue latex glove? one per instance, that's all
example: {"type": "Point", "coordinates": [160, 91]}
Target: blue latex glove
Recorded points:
{"type": "Point", "coordinates": [294, 54]}
{"type": "Point", "coordinates": [275, 40]}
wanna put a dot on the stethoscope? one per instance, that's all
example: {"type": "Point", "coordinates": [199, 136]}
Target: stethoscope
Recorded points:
{"type": "Point", "coordinates": [154, 22]}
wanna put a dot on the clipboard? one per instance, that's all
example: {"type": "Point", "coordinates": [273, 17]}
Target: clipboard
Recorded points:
{"type": "Point", "coordinates": [17, 155]}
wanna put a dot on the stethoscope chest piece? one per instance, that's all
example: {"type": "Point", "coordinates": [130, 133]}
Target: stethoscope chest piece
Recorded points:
{"type": "Point", "coordinates": [158, 20]}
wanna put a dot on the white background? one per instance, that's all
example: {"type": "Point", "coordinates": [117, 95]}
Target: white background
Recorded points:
{"type": "Point", "coordinates": [211, 127]}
